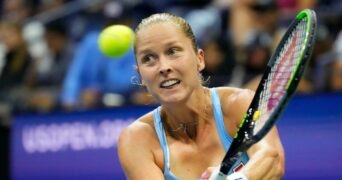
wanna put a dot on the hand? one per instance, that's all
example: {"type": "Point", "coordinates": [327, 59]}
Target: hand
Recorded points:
{"type": "Point", "coordinates": [90, 98]}
{"type": "Point", "coordinates": [210, 172]}
{"type": "Point", "coordinates": [213, 173]}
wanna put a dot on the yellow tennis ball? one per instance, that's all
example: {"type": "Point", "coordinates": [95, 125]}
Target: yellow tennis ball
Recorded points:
{"type": "Point", "coordinates": [115, 40]}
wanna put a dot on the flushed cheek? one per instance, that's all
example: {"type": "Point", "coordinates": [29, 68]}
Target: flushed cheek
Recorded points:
{"type": "Point", "coordinates": [192, 76]}
{"type": "Point", "coordinates": [146, 74]}
{"type": "Point", "coordinates": [152, 86]}
{"type": "Point", "coordinates": [153, 89]}
{"type": "Point", "coordinates": [149, 81]}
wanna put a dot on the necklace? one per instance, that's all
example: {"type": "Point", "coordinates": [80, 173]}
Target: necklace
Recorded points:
{"type": "Point", "coordinates": [183, 126]}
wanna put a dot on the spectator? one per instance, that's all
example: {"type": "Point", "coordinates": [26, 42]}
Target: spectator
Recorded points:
{"type": "Point", "coordinates": [18, 10]}
{"type": "Point", "coordinates": [336, 72]}
{"type": "Point", "coordinates": [91, 75]}
{"type": "Point", "coordinates": [257, 51]}
{"type": "Point", "coordinates": [335, 79]}
{"type": "Point", "coordinates": [48, 80]}
{"type": "Point", "coordinates": [328, 69]}
{"type": "Point", "coordinates": [15, 78]}
{"type": "Point", "coordinates": [219, 62]}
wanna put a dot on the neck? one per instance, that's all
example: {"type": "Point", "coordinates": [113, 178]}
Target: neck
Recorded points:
{"type": "Point", "coordinates": [183, 121]}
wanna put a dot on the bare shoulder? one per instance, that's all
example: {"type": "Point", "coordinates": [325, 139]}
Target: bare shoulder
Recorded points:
{"type": "Point", "coordinates": [235, 102]}
{"type": "Point", "coordinates": [233, 95]}
{"type": "Point", "coordinates": [140, 131]}
{"type": "Point", "coordinates": [136, 143]}
{"type": "Point", "coordinates": [139, 143]}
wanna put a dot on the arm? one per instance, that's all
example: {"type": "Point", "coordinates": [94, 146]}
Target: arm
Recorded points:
{"type": "Point", "coordinates": [72, 82]}
{"type": "Point", "coordinates": [266, 160]}
{"type": "Point", "coordinates": [135, 153]}
{"type": "Point", "coordinates": [81, 73]}
{"type": "Point", "coordinates": [267, 156]}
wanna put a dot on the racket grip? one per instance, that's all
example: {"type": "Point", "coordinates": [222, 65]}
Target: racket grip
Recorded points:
{"type": "Point", "coordinates": [217, 175]}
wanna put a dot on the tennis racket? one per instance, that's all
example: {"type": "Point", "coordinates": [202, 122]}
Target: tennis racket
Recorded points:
{"type": "Point", "coordinates": [277, 86]}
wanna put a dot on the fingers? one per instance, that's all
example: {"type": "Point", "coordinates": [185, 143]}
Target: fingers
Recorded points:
{"type": "Point", "coordinates": [207, 173]}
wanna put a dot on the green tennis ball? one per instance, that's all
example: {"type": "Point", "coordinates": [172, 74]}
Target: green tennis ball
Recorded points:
{"type": "Point", "coordinates": [115, 40]}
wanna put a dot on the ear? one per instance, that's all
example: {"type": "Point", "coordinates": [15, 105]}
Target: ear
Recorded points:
{"type": "Point", "coordinates": [200, 62]}
{"type": "Point", "coordinates": [140, 81]}
{"type": "Point", "coordinates": [137, 69]}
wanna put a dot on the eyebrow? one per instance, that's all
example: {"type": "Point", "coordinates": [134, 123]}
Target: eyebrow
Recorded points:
{"type": "Point", "coordinates": [148, 50]}
{"type": "Point", "coordinates": [145, 51]}
{"type": "Point", "coordinates": [172, 43]}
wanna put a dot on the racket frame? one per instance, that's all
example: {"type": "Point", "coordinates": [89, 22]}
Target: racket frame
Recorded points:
{"type": "Point", "coordinates": [244, 138]}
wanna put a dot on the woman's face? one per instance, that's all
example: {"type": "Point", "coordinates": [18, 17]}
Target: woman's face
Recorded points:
{"type": "Point", "coordinates": [168, 65]}
{"type": "Point", "coordinates": [10, 36]}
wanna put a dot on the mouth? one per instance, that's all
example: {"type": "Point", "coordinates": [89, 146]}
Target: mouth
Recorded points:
{"type": "Point", "coordinates": [168, 84]}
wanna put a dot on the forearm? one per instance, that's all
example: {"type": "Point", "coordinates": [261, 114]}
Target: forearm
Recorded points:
{"type": "Point", "coordinates": [265, 164]}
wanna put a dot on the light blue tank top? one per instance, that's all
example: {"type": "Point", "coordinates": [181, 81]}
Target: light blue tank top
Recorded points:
{"type": "Point", "coordinates": [226, 139]}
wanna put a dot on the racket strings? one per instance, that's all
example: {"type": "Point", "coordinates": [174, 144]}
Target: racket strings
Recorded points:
{"type": "Point", "coordinates": [281, 73]}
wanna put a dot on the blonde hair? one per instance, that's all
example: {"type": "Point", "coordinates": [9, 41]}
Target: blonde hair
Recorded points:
{"type": "Point", "coordinates": [177, 21]}
{"type": "Point", "coordinates": [169, 18]}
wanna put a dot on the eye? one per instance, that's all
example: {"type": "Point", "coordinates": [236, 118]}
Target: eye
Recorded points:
{"type": "Point", "coordinates": [172, 51]}
{"type": "Point", "coordinates": [148, 59]}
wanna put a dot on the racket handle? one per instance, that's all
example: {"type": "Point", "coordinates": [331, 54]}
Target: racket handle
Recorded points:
{"type": "Point", "coordinates": [217, 175]}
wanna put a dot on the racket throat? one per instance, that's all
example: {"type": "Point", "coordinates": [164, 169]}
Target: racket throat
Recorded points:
{"type": "Point", "coordinates": [227, 165]}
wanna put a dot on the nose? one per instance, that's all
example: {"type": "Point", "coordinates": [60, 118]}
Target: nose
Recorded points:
{"type": "Point", "coordinates": [165, 71]}
{"type": "Point", "coordinates": [165, 67]}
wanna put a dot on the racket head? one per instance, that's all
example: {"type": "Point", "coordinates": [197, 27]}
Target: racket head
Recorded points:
{"type": "Point", "coordinates": [277, 86]}
{"type": "Point", "coordinates": [282, 75]}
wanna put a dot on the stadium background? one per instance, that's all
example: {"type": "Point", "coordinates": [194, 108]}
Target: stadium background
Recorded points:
{"type": "Point", "coordinates": [44, 137]}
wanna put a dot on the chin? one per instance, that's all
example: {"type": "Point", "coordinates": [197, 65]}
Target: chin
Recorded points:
{"type": "Point", "coordinates": [172, 98]}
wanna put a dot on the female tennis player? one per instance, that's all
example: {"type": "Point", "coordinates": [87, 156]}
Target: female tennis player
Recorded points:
{"type": "Point", "coordinates": [189, 133]}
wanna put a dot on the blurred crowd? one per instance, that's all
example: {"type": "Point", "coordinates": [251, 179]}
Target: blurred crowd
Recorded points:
{"type": "Point", "coordinates": [50, 61]}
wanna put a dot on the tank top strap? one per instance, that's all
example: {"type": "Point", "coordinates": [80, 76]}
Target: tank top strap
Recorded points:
{"type": "Point", "coordinates": [158, 125]}
{"type": "Point", "coordinates": [226, 139]}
